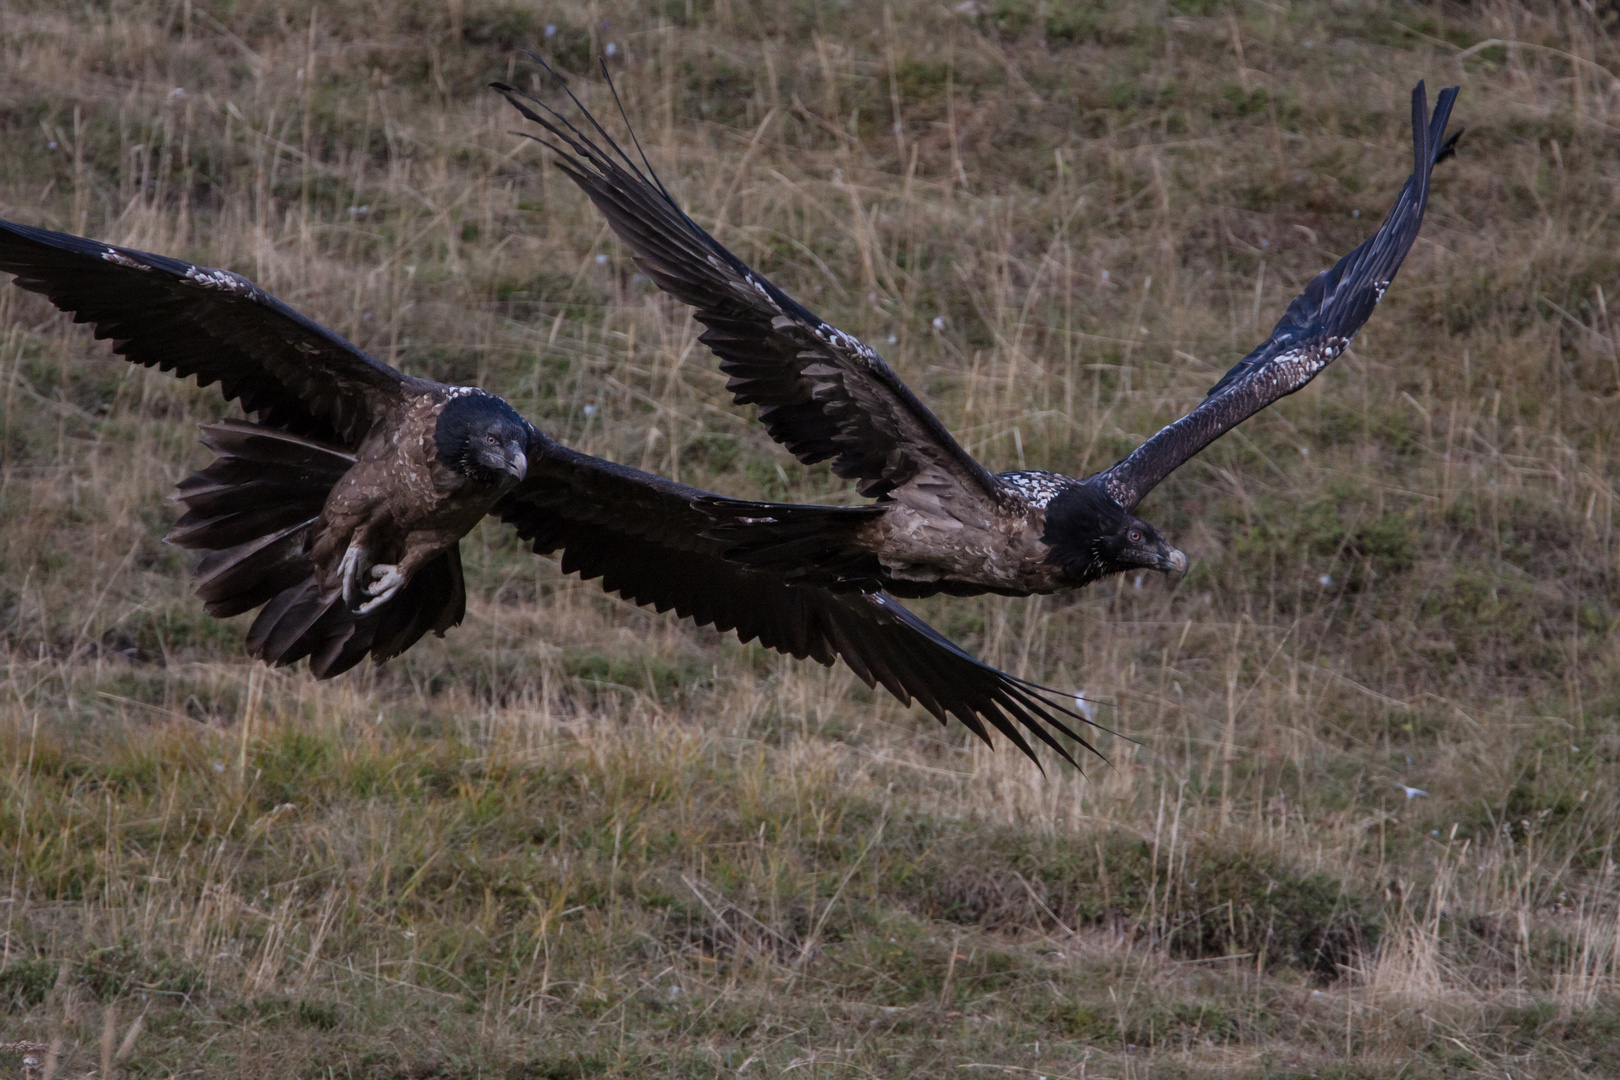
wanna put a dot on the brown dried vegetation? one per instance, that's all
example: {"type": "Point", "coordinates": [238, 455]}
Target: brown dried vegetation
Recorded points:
{"type": "Point", "coordinates": [577, 839]}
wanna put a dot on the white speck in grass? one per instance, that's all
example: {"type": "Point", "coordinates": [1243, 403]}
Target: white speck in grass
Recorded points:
{"type": "Point", "coordinates": [1264, 243]}
{"type": "Point", "coordinates": [893, 339]}
{"type": "Point", "coordinates": [178, 92]}
{"type": "Point", "coordinates": [1105, 275]}
{"type": "Point", "coordinates": [1412, 792]}
{"type": "Point", "coordinates": [551, 29]}
{"type": "Point", "coordinates": [1304, 451]}
{"type": "Point", "coordinates": [1355, 213]}
{"type": "Point", "coordinates": [589, 410]}
{"type": "Point", "coordinates": [939, 322]}
{"type": "Point", "coordinates": [601, 260]}
{"type": "Point", "coordinates": [1087, 709]}
{"type": "Point", "coordinates": [1434, 832]}
{"type": "Point", "coordinates": [1326, 580]}
{"type": "Point", "coordinates": [611, 50]}
{"type": "Point", "coordinates": [52, 144]}
{"type": "Point", "coordinates": [219, 766]}
{"type": "Point", "coordinates": [1310, 45]}
{"type": "Point", "coordinates": [1136, 583]}
{"type": "Point", "coordinates": [410, 933]}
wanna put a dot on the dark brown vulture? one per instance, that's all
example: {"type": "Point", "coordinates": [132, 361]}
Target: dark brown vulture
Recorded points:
{"type": "Point", "coordinates": [338, 509]}
{"type": "Point", "coordinates": [941, 521]}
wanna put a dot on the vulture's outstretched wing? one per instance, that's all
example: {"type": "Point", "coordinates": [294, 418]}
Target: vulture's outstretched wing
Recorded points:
{"type": "Point", "coordinates": [641, 535]}
{"type": "Point", "coordinates": [1312, 332]}
{"type": "Point", "coordinates": [821, 392]}
{"type": "Point", "coordinates": [288, 370]}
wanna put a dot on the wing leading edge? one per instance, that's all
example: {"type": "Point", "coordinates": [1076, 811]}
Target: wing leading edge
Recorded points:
{"type": "Point", "coordinates": [1315, 329]}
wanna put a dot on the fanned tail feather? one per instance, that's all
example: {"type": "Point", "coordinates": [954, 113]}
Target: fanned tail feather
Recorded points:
{"type": "Point", "coordinates": [251, 511]}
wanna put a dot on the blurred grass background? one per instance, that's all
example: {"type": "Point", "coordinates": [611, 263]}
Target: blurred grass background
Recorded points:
{"type": "Point", "coordinates": [578, 839]}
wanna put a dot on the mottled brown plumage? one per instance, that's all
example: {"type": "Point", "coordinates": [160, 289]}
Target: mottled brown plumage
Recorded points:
{"type": "Point", "coordinates": [337, 511]}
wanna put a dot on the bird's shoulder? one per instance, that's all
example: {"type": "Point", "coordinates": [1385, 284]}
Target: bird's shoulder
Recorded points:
{"type": "Point", "coordinates": [1035, 488]}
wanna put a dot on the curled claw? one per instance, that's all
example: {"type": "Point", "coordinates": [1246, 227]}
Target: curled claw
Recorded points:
{"type": "Point", "coordinates": [388, 581]}
{"type": "Point", "coordinates": [349, 572]}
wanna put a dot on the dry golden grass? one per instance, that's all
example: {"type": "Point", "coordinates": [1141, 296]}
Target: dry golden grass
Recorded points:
{"type": "Point", "coordinates": [576, 839]}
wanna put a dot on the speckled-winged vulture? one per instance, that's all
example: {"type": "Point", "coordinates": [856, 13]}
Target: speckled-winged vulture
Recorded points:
{"type": "Point", "coordinates": [942, 522]}
{"type": "Point", "coordinates": [339, 508]}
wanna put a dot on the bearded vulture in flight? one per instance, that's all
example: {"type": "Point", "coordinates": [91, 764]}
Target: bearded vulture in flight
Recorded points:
{"type": "Point", "coordinates": [941, 521]}
{"type": "Point", "coordinates": [338, 509]}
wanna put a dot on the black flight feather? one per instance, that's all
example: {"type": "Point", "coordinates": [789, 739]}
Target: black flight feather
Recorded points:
{"type": "Point", "coordinates": [288, 370]}
{"type": "Point", "coordinates": [644, 537]}
{"type": "Point", "coordinates": [1313, 331]}
{"type": "Point", "coordinates": [821, 393]}
{"type": "Point", "coordinates": [316, 397]}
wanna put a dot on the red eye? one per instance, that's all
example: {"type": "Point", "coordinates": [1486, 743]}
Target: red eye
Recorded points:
{"type": "Point", "coordinates": [1134, 536]}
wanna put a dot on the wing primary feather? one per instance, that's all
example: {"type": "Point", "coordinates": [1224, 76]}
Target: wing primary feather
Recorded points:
{"type": "Point", "coordinates": [583, 146]}
{"type": "Point", "coordinates": [600, 130]}
{"type": "Point", "coordinates": [924, 631]}
{"type": "Point", "coordinates": [904, 614]}
{"type": "Point", "coordinates": [821, 393]}
{"type": "Point", "coordinates": [628, 127]}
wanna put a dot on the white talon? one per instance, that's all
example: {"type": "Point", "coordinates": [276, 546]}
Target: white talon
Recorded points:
{"type": "Point", "coordinates": [349, 571]}
{"type": "Point", "coordinates": [388, 582]}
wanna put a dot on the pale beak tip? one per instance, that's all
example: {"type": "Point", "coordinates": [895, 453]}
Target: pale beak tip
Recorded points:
{"type": "Point", "coordinates": [518, 466]}
{"type": "Point", "coordinates": [1177, 561]}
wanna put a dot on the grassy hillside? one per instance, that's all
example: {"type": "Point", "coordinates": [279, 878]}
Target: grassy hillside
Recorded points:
{"type": "Point", "coordinates": [578, 839]}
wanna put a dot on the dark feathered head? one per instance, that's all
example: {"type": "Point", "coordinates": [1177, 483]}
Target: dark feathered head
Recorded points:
{"type": "Point", "coordinates": [1091, 536]}
{"type": "Point", "coordinates": [482, 437]}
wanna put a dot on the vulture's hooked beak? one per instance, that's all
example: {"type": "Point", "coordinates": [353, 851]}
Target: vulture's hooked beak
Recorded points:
{"type": "Point", "coordinates": [518, 465]}
{"type": "Point", "coordinates": [1172, 560]}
